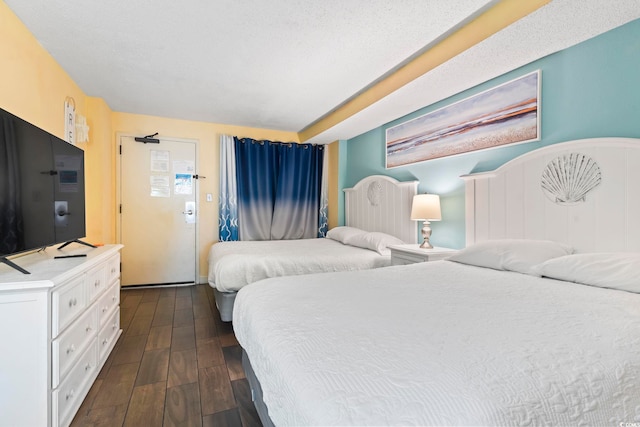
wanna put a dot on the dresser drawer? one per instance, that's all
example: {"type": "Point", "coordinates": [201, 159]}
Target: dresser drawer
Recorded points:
{"type": "Point", "coordinates": [113, 268]}
{"type": "Point", "coordinates": [109, 334]}
{"type": "Point", "coordinates": [67, 398]}
{"type": "Point", "coordinates": [66, 349]}
{"type": "Point", "coordinates": [107, 303]}
{"type": "Point", "coordinates": [96, 282]}
{"type": "Point", "coordinates": [67, 302]}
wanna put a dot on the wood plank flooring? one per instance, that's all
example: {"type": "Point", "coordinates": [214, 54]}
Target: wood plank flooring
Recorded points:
{"type": "Point", "coordinates": [175, 364]}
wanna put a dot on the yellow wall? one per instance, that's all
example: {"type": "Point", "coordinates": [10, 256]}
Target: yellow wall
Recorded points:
{"type": "Point", "coordinates": [99, 179]}
{"type": "Point", "coordinates": [32, 84]}
{"type": "Point", "coordinates": [333, 184]}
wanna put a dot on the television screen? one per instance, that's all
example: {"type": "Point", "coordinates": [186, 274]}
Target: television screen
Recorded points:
{"type": "Point", "coordinates": [42, 198]}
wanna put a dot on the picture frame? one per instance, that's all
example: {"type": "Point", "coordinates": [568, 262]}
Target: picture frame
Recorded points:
{"type": "Point", "coordinates": [503, 115]}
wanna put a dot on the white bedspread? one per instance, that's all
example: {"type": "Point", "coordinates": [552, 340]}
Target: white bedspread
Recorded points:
{"type": "Point", "coordinates": [232, 265]}
{"type": "Point", "coordinates": [442, 343]}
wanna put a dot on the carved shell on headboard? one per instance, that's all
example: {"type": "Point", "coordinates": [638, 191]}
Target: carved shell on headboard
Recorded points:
{"type": "Point", "coordinates": [374, 193]}
{"type": "Point", "coordinates": [567, 179]}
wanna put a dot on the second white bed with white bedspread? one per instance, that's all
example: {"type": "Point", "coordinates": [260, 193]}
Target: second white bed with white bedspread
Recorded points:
{"type": "Point", "coordinates": [232, 265]}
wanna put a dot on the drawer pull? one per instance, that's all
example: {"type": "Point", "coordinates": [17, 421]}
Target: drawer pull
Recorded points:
{"type": "Point", "coordinates": [113, 270]}
{"type": "Point", "coordinates": [113, 298]}
{"type": "Point", "coordinates": [86, 368]}
{"type": "Point", "coordinates": [115, 325]}
{"type": "Point", "coordinates": [70, 394]}
{"type": "Point", "coordinates": [97, 283]}
{"type": "Point", "coordinates": [88, 329]}
{"type": "Point", "coordinates": [104, 310]}
{"type": "Point", "coordinates": [72, 302]}
{"type": "Point", "coordinates": [71, 349]}
{"type": "Point", "coordinates": [105, 342]}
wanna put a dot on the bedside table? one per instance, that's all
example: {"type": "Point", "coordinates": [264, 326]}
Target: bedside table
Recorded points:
{"type": "Point", "coordinates": [410, 254]}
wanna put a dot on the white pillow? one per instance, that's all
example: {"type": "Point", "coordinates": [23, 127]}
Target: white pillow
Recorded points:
{"type": "Point", "coordinates": [375, 241]}
{"type": "Point", "coordinates": [518, 255]}
{"type": "Point", "coordinates": [605, 270]}
{"type": "Point", "coordinates": [342, 233]}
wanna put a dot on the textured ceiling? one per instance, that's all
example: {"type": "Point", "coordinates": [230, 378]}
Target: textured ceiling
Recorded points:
{"type": "Point", "coordinates": [554, 27]}
{"type": "Point", "coordinates": [283, 64]}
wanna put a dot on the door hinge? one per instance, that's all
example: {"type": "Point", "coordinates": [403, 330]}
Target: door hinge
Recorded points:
{"type": "Point", "coordinates": [120, 208]}
{"type": "Point", "coordinates": [120, 149]}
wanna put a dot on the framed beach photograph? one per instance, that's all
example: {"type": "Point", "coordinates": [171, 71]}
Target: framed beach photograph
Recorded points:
{"type": "Point", "coordinates": [503, 115]}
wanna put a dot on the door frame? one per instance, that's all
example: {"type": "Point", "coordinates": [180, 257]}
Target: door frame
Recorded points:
{"type": "Point", "coordinates": [196, 142]}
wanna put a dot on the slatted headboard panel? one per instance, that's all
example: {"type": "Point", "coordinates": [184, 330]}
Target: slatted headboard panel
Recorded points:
{"type": "Point", "coordinates": [510, 203]}
{"type": "Point", "coordinates": [381, 203]}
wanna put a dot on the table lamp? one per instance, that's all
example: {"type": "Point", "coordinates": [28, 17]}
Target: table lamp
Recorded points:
{"type": "Point", "coordinates": [426, 207]}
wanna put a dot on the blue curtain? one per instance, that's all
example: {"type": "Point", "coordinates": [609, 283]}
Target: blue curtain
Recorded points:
{"type": "Point", "coordinates": [279, 189]}
{"type": "Point", "coordinates": [323, 213]}
{"type": "Point", "coordinates": [297, 202]}
{"type": "Point", "coordinates": [257, 176]}
{"type": "Point", "coordinates": [228, 202]}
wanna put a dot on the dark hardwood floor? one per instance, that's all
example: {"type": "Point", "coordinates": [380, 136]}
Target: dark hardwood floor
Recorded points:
{"type": "Point", "coordinates": [175, 364]}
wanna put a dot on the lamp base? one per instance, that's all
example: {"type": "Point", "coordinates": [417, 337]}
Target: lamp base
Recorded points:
{"type": "Point", "coordinates": [426, 234]}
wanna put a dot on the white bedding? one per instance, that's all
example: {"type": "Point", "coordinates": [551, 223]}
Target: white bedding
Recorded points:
{"type": "Point", "coordinates": [233, 265]}
{"type": "Point", "coordinates": [442, 343]}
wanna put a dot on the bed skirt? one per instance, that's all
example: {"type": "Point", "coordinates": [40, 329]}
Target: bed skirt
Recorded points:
{"type": "Point", "coordinates": [224, 302]}
{"type": "Point", "coordinates": [256, 392]}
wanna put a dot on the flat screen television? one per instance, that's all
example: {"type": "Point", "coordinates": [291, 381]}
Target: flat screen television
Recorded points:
{"type": "Point", "coordinates": [42, 200]}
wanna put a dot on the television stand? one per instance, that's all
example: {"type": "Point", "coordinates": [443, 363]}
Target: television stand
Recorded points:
{"type": "Point", "coordinates": [4, 260]}
{"type": "Point", "coordinates": [76, 241]}
{"type": "Point", "coordinates": [58, 326]}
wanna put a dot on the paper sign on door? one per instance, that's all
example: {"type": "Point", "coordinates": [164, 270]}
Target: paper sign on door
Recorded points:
{"type": "Point", "coordinates": [183, 184]}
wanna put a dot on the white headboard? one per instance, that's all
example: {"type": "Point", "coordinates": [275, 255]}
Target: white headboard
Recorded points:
{"type": "Point", "coordinates": [381, 203]}
{"type": "Point", "coordinates": [511, 203]}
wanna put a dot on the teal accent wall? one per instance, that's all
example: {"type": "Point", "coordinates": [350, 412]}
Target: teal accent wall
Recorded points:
{"type": "Point", "coordinates": [589, 90]}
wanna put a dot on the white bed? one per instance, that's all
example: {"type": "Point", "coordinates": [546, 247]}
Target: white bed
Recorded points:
{"type": "Point", "coordinates": [378, 204]}
{"type": "Point", "coordinates": [233, 266]}
{"type": "Point", "coordinates": [447, 343]}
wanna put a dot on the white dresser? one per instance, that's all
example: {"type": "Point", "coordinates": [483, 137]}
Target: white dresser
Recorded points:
{"type": "Point", "coordinates": [57, 328]}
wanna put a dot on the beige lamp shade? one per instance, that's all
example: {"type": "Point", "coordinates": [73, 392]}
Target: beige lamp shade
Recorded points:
{"type": "Point", "coordinates": [426, 207]}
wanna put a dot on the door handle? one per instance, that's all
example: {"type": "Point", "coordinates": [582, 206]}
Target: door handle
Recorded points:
{"type": "Point", "coordinates": [189, 212]}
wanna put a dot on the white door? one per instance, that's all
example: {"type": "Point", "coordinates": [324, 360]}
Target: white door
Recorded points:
{"type": "Point", "coordinates": [158, 212]}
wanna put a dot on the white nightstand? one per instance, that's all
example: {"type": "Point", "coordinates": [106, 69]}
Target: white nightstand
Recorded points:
{"type": "Point", "coordinates": [409, 254]}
